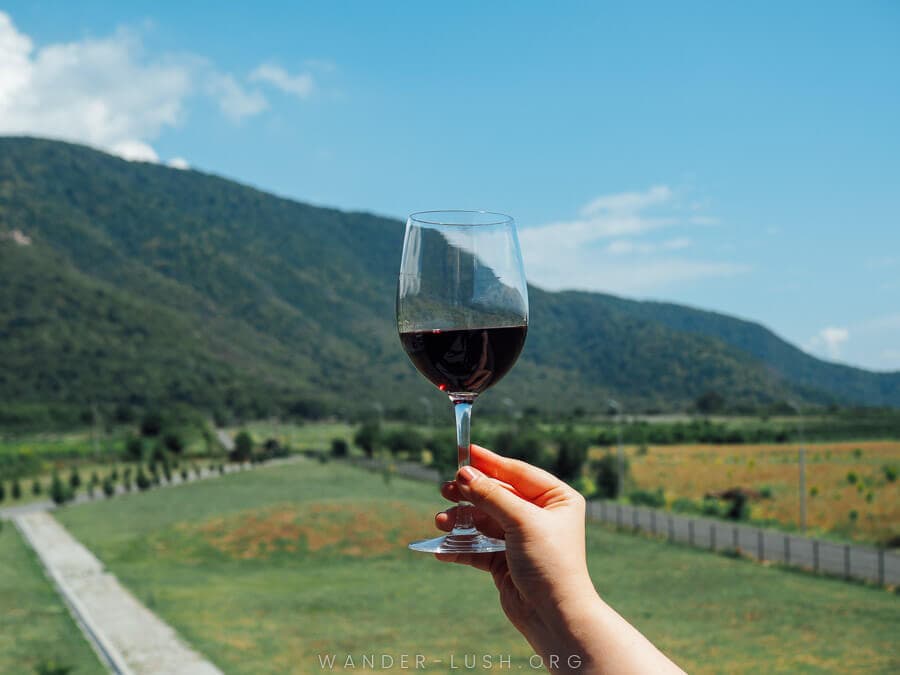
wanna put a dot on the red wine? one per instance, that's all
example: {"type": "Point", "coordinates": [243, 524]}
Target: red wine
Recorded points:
{"type": "Point", "coordinates": [465, 361]}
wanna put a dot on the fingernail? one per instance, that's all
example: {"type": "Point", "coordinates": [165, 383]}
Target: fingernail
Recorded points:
{"type": "Point", "coordinates": [467, 474]}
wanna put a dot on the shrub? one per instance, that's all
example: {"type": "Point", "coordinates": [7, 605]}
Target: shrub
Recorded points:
{"type": "Point", "coordinates": [151, 424]}
{"type": "Point", "coordinates": [74, 478]}
{"type": "Point", "coordinates": [765, 492]}
{"type": "Point", "coordinates": [243, 447]}
{"type": "Point", "coordinates": [143, 482]}
{"type": "Point", "coordinates": [710, 507]}
{"type": "Point", "coordinates": [857, 453]}
{"type": "Point", "coordinates": [684, 505]}
{"type": "Point", "coordinates": [586, 486]}
{"type": "Point", "coordinates": [109, 487]}
{"type": "Point", "coordinates": [173, 442]}
{"type": "Point", "coordinates": [652, 498]}
{"type": "Point", "coordinates": [853, 515]}
{"type": "Point", "coordinates": [59, 492]}
{"type": "Point", "coordinates": [184, 474]}
{"type": "Point", "coordinates": [339, 447]}
{"type": "Point", "coordinates": [221, 468]}
{"type": "Point", "coordinates": [890, 472]}
{"type": "Point", "coordinates": [134, 449]}
{"type": "Point", "coordinates": [16, 489]}
{"type": "Point", "coordinates": [607, 476]}
{"type": "Point", "coordinates": [527, 445]}
{"type": "Point", "coordinates": [2, 492]}
{"type": "Point", "coordinates": [52, 667]}
{"type": "Point", "coordinates": [407, 439]}
{"type": "Point", "coordinates": [442, 445]}
{"type": "Point", "coordinates": [642, 450]}
{"type": "Point", "coordinates": [36, 487]}
{"type": "Point", "coordinates": [571, 454]}
{"type": "Point", "coordinates": [368, 437]}
{"type": "Point", "coordinates": [813, 491]}
{"type": "Point", "coordinates": [852, 477]}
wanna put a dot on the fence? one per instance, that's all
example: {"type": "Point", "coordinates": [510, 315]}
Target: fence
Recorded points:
{"type": "Point", "coordinates": [850, 561]}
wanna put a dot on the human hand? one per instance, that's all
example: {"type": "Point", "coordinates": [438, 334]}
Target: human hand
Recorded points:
{"type": "Point", "coordinates": [542, 520]}
{"type": "Point", "coordinates": [543, 580]}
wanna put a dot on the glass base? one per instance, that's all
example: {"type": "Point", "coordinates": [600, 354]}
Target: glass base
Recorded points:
{"type": "Point", "coordinates": [460, 541]}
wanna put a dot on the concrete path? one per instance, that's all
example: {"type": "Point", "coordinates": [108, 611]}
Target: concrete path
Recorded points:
{"type": "Point", "coordinates": [130, 637]}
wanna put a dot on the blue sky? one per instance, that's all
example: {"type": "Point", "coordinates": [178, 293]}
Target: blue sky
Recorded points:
{"type": "Point", "coordinates": [742, 157]}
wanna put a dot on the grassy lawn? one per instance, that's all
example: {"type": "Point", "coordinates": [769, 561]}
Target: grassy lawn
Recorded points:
{"type": "Point", "coordinates": [265, 570]}
{"type": "Point", "coordinates": [35, 626]}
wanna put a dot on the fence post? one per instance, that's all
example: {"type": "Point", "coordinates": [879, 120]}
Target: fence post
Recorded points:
{"type": "Point", "coordinates": [734, 538]}
{"type": "Point", "coordinates": [691, 532]}
{"type": "Point", "coordinates": [603, 511]}
{"type": "Point", "coordinates": [653, 521]}
{"type": "Point", "coordinates": [815, 555]}
{"type": "Point", "coordinates": [671, 528]}
{"type": "Point", "coordinates": [619, 516]}
{"type": "Point", "coordinates": [787, 549]}
{"type": "Point", "coordinates": [846, 561]}
{"type": "Point", "coordinates": [760, 545]}
{"type": "Point", "coordinates": [881, 567]}
{"type": "Point", "coordinates": [634, 519]}
{"type": "Point", "coordinates": [712, 536]}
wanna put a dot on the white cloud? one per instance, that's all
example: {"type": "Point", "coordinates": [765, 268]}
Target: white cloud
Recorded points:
{"type": "Point", "coordinates": [829, 341]}
{"type": "Point", "coordinates": [106, 92]}
{"type": "Point", "coordinates": [608, 247]}
{"type": "Point", "coordinates": [178, 163]}
{"type": "Point", "coordinates": [135, 151]}
{"type": "Point", "coordinates": [235, 101]}
{"type": "Point", "coordinates": [300, 85]}
{"type": "Point", "coordinates": [98, 91]}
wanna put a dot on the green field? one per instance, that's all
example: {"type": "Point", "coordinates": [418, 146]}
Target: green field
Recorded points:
{"type": "Point", "coordinates": [35, 627]}
{"type": "Point", "coordinates": [265, 570]}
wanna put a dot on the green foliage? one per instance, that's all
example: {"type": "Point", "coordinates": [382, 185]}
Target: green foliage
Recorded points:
{"type": "Point", "coordinates": [765, 492]}
{"type": "Point", "coordinates": [111, 302]}
{"type": "Point", "coordinates": [852, 478]}
{"type": "Point", "coordinates": [607, 476]}
{"type": "Point", "coordinates": [243, 447]}
{"type": "Point", "coordinates": [2, 491]}
{"type": "Point", "coordinates": [142, 480]}
{"type": "Point", "coordinates": [16, 490]}
{"type": "Point", "coordinates": [890, 472]}
{"type": "Point", "coordinates": [652, 498]}
{"type": "Point", "coordinates": [36, 487]}
{"type": "Point", "coordinates": [444, 453]}
{"type": "Point", "coordinates": [134, 449]}
{"type": "Point", "coordinates": [51, 667]}
{"type": "Point", "coordinates": [74, 478]}
{"type": "Point", "coordinates": [368, 437]}
{"type": "Point", "coordinates": [109, 486]}
{"type": "Point", "coordinates": [407, 439]}
{"type": "Point", "coordinates": [60, 493]}
{"type": "Point", "coordinates": [339, 447]}
{"type": "Point", "coordinates": [571, 454]}
{"type": "Point", "coordinates": [528, 445]}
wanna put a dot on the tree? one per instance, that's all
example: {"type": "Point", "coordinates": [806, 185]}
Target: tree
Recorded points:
{"type": "Point", "coordinates": [36, 487]}
{"type": "Point", "coordinates": [2, 492]}
{"type": "Point", "coordinates": [109, 487]}
{"type": "Point", "coordinates": [59, 492]}
{"type": "Point", "coordinates": [74, 478]}
{"type": "Point", "coordinates": [572, 449]}
{"type": "Point", "coordinates": [134, 449]}
{"type": "Point", "coordinates": [607, 469]}
{"type": "Point", "coordinates": [16, 489]}
{"type": "Point", "coordinates": [143, 483]}
{"type": "Point", "coordinates": [173, 442]}
{"type": "Point", "coordinates": [151, 424]}
{"type": "Point", "coordinates": [368, 437]}
{"type": "Point", "coordinates": [407, 440]}
{"type": "Point", "coordinates": [339, 447]}
{"type": "Point", "coordinates": [710, 402]}
{"type": "Point", "coordinates": [243, 447]}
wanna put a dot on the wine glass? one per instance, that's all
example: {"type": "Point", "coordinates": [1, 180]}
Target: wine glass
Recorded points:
{"type": "Point", "coordinates": [462, 314]}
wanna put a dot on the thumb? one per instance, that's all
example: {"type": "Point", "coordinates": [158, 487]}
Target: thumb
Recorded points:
{"type": "Point", "coordinates": [509, 510]}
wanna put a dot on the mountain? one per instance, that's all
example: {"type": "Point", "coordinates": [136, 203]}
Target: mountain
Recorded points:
{"type": "Point", "coordinates": [126, 284]}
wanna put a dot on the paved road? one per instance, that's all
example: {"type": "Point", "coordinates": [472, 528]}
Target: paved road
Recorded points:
{"type": "Point", "coordinates": [130, 637]}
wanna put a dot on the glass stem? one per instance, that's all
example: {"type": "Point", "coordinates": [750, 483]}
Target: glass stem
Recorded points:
{"type": "Point", "coordinates": [463, 409]}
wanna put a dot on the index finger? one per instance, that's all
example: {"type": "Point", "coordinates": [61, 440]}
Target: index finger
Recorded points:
{"type": "Point", "coordinates": [529, 481]}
